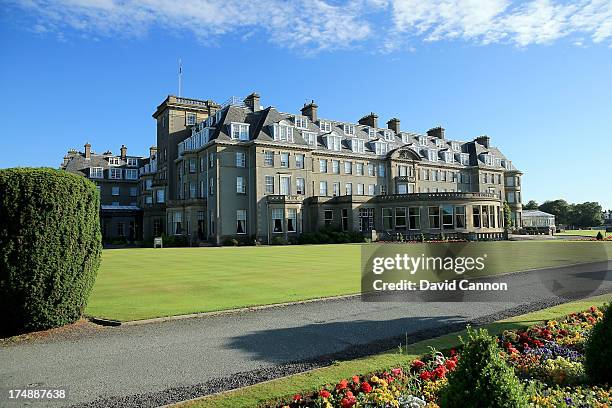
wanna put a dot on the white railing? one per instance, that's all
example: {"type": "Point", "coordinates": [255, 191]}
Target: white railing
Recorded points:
{"type": "Point", "coordinates": [194, 142]}
{"type": "Point", "coordinates": [233, 101]}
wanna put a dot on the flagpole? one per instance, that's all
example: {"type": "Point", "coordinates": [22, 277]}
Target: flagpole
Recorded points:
{"type": "Point", "coordinates": [180, 77]}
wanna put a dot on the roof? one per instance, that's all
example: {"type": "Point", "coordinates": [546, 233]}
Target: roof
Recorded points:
{"type": "Point", "coordinates": [75, 162]}
{"type": "Point", "coordinates": [535, 213]}
{"type": "Point", "coordinates": [120, 207]}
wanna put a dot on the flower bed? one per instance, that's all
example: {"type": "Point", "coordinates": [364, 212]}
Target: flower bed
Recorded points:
{"type": "Point", "coordinates": [548, 358]}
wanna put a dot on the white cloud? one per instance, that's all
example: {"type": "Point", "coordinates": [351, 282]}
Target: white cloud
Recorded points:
{"type": "Point", "coordinates": [315, 25]}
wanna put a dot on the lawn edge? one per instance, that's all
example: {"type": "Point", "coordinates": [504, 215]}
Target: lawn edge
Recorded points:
{"type": "Point", "coordinates": [231, 398]}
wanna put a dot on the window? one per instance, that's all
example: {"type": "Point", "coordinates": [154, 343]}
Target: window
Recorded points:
{"type": "Point", "coordinates": [148, 200]}
{"type": "Point", "coordinates": [358, 146]}
{"type": "Point", "coordinates": [328, 217]}
{"type": "Point", "coordinates": [336, 189]}
{"type": "Point", "coordinates": [447, 216]}
{"type": "Point", "coordinates": [387, 215]}
{"type": "Point", "coordinates": [336, 166]}
{"type": "Point", "coordinates": [333, 142]}
{"type": "Point", "coordinates": [403, 170]}
{"type": "Point", "coordinates": [240, 131]}
{"type": "Point", "coordinates": [388, 135]}
{"type": "Point", "coordinates": [349, 188]}
{"type": "Point", "coordinates": [202, 188]}
{"type": "Point", "coordinates": [414, 217]}
{"type": "Point", "coordinates": [349, 129]}
{"type": "Point", "coordinates": [344, 219]}
{"type": "Point", "coordinates": [285, 185]}
{"type": "Point", "coordinates": [310, 138]}
{"type": "Point", "coordinates": [133, 191]}
{"type": "Point", "coordinates": [299, 186]}
{"type": "Point", "coordinates": [442, 175]}
{"type": "Point", "coordinates": [192, 166]}
{"type": "Point", "coordinates": [432, 155]}
{"type": "Point", "coordinates": [464, 159]}
{"type": "Point", "coordinates": [269, 158]}
{"type": "Point", "coordinates": [193, 189]}
{"type": "Point", "coordinates": [402, 188]}
{"type": "Point", "coordinates": [510, 196]}
{"type": "Point", "coordinates": [299, 161]}
{"type": "Point", "coordinates": [456, 146]}
{"type": "Point", "coordinates": [96, 172]}
{"type": "Point", "coordinates": [487, 159]}
{"type": "Point", "coordinates": [359, 169]}
{"type": "Point", "coordinates": [371, 133]}
{"type": "Point", "coordinates": [434, 217]}
{"type": "Point", "coordinates": [240, 187]}
{"type": "Point", "coordinates": [132, 161]}
{"type": "Point", "coordinates": [115, 190]}
{"type": "Point", "coordinates": [291, 219]}
{"type": "Point", "coordinates": [190, 119]}
{"type": "Point", "coordinates": [439, 143]}
{"type": "Point", "coordinates": [425, 174]}
{"type": "Point", "coordinates": [381, 148]}
{"type": "Point", "coordinates": [114, 174]}
{"type": "Point", "coordinates": [348, 167]}
{"type": "Point", "coordinates": [382, 189]}
{"type": "Point", "coordinates": [448, 157]}
{"type": "Point", "coordinates": [160, 196]}
{"type": "Point", "coordinates": [240, 159]}
{"type": "Point", "coordinates": [322, 166]}
{"type": "Point", "coordinates": [371, 189]}
{"type": "Point", "coordinates": [211, 160]}
{"type": "Point", "coordinates": [277, 220]}
{"type": "Point", "coordinates": [476, 216]}
{"type": "Point", "coordinates": [381, 170]}
{"type": "Point", "coordinates": [400, 218]}
{"type": "Point", "coordinates": [510, 181]}
{"type": "Point", "coordinates": [323, 188]}
{"type": "Point", "coordinates": [120, 230]}
{"type": "Point", "coordinates": [284, 160]}
{"type": "Point", "coordinates": [148, 184]}
{"type": "Point", "coordinates": [423, 140]}
{"type": "Point", "coordinates": [177, 223]}
{"type": "Point", "coordinates": [269, 184]}
{"type": "Point", "coordinates": [113, 161]}
{"type": "Point", "coordinates": [360, 189]}
{"type": "Point", "coordinates": [460, 216]}
{"type": "Point", "coordinates": [484, 219]}
{"type": "Point", "coordinates": [283, 133]}
{"type": "Point", "coordinates": [325, 126]}
{"type": "Point", "coordinates": [371, 170]}
{"type": "Point", "coordinates": [241, 221]}
{"type": "Point", "coordinates": [366, 219]}
{"type": "Point", "coordinates": [434, 175]}
{"type": "Point", "coordinates": [492, 216]}
{"type": "Point", "coordinates": [211, 186]}
{"type": "Point", "coordinates": [301, 122]}
{"type": "Point", "coordinates": [115, 203]}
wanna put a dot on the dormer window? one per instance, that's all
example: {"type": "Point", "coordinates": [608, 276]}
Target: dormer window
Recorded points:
{"type": "Point", "coordinates": [388, 135]}
{"type": "Point", "coordinates": [439, 143]}
{"type": "Point", "coordinates": [349, 129]}
{"type": "Point", "coordinates": [218, 116]}
{"type": "Point", "coordinates": [487, 159]}
{"type": "Point", "coordinates": [333, 142]}
{"type": "Point", "coordinates": [358, 145]}
{"type": "Point", "coordinates": [456, 146]}
{"type": "Point", "coordinates": [432, 155]}
{"type": "Point", "coordinates": [113, 161]}
{"type": "Point", "coordinates": [448, 157]}
{"type": "Point", "coordinates": [283, 133]}
{"type": "Point", "coordinates": [371, 133]}
{"type": "Point", "coordinates": [380, 148]}
{"type": "Point", "coordinates": [239, 131]}
{"type": "Point", "coordinates": [423, 140]}
{"type": "Point", "coordinates": [310, 138]}
{"type": "Point", "coordinates": [464, 158]}
{"type": "Point", "coordinates": [190, 119]}
{"type": "Point", "coordinates": [498, 162]}
{"type": "Point", "coordinates": [405, 139]}
{"type": "Point", "coordinates": [325, 126]}
{"type": "Point", "coordinates": [132, 161]}
{"type": "Point", "coordinates": [96, 172]}
{"type": "Point", "coordinates": [301, 122]}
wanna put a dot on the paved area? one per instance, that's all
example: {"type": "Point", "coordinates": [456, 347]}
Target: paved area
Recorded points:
{"type": "Point", "coordinates": [141, 361]}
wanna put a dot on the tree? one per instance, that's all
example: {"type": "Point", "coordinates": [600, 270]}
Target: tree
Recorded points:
{"type": "Point", "coordinates": [560, 209]}
{"type": "Point", "coordinates": [531, 205]}
{"type": "Point", "coordinates": [507, 216]}
{"type": "Point", "coordinates": [587, 214]}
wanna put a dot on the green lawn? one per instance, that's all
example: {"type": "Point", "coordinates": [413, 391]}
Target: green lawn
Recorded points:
{"type": "Point", "coordinates": [584, 233]}
{"type": "Point", "coordinates": [143, 283]}
{"type": "Point", "coordinates": [284, 388]}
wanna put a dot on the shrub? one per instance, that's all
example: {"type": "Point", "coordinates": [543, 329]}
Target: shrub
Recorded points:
{"type": "Point", "coordinates": [279, 241]}
{"type": "Point", "coordinates": [482, 377]}
{"type": "Point", "coordinates": [600, 236]}
{"type": "Point", "coordinates": [230, 242]}
{"type": "Point", "coordinates": [171, 241]}
{"type": "Point", "coordinates": [598, 350]}
{"type": "Point", "coordinates": [50, 247]}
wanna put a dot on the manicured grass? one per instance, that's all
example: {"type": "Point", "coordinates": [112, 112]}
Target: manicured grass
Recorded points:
{"type": "Point", "coordinates": [286, 387]}
{"type": "Point", "coordinates": [584, 233]}
{"type": "Point", "coordinates": [143, 283]}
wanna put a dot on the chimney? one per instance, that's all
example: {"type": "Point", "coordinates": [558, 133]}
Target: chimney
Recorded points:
{"type": "Point", "coordinates": [123, 152]}
{"type": "Point", "coordinates": [437, 131]}
{"type": "Point", "coordinates": [152, 151]}
{"type": "Point", "coordinates": [370, 120]}
{"type": "Point", "coordinates": [483, 140]}
{"type": "Point", "coordinates": [66, 160]}
{"type": "Point", "coordinates": [252, 101]}
{"type": "Point", "coordinates": [310, 111]}
{"type": "Point", "coordinates": [87, 151]}
{"type": "Point", "coordinates": [394, 125]}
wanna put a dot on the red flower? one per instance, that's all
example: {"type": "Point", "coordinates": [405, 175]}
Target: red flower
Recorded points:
{"type": "Point", "coordinates": [356, 379]}
{"type": "Point", "coordinates": [297, 397]}
{"type": "Point", "coordinates": [347, 402]}
{"type": "Point", "coordinates": [342, 385]}
{"type": "Point", "coordinates": [366, 387]}
{"type": "Point", "coordinates": [324, 394]}
{"type": "Point", "coordinates": [349, 394]}
{"type": "Point", "coordinates": [450, 365]}
{"type": "Point", "coordinates": [418, 364]}
{"type": "Point", "coordinates": [453, 352]}
{"type": "Point", "coordinates": [396, 371]}
{"type": "Point", "coordinates": [440, 371]}
{"type": "Point", "coordinates": [425, 375]}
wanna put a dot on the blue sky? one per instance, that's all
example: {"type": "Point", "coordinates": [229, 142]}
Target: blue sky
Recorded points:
{"type": "Point", "coordinates": [534, 75]}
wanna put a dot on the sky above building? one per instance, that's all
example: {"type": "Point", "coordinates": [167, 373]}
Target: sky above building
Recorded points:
{"type": "Point", "coordinates": [533, 75]}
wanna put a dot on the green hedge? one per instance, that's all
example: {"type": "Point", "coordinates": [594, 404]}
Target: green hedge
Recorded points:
{"type": "Point", "coordinates": [50, 247]}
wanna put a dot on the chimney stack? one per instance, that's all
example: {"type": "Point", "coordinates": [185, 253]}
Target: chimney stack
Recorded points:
{"type": "Point", "coordinates": [87, 151]}
{"type": "Point", "coordinates": [123, 152]}
{"type": "Point", "coordinates": [437, 131]}
{"type": "Point", "coordinates": [394, 125]}
{"type": "Point", "coordinates": [370, 120]}
{"type": "Point", "coordinates": [152, 151]}
{"type": "Point", "coordinates": [252, 101]}
{"type": "Point", "coordinates": [310, 111]}
{"type": "Point", "coordinates": [483, 140]}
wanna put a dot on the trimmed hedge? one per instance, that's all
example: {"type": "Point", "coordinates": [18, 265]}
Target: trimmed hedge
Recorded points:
{"type": "Point", "coordinates": [598, 350]}
{"type": "Point", "coordinates": [50, 247]}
